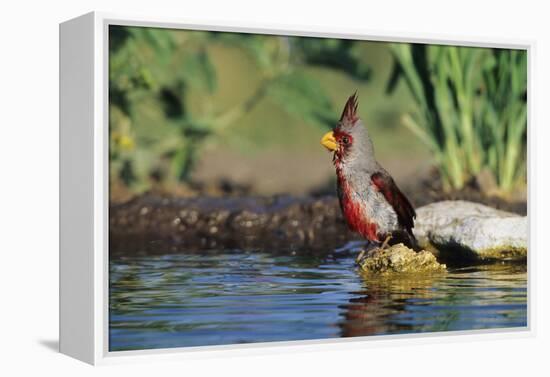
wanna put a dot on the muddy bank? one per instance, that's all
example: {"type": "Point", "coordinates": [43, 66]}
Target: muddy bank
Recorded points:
{"type": "Point", "coordinates": [161, 224]}
{"type": "Point", "coordinates": [456, 230]}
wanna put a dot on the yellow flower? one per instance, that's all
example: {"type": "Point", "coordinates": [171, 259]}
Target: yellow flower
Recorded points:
{"type": "Point", "coordinates": [126, 142]}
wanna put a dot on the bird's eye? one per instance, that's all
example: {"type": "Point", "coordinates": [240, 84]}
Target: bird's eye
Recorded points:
{"type": "Point", "coordinates": [345, 140]}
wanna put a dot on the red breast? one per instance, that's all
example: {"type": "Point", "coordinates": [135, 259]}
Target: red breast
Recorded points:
{"type": "Point", "coordinates": [354, 213]}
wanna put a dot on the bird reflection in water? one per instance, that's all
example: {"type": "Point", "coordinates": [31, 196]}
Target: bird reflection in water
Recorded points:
{"type": "Point", "coordinates": [384, 297]}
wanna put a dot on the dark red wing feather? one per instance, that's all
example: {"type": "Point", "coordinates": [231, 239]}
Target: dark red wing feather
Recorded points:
{"type": "Point", "coordinates": [401, 205]}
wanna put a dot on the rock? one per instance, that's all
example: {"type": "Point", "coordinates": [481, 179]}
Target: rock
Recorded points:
{"type": "Point", "coordinates": [398, 259]}
{"type": "Point", "coordinates": [466, 230]}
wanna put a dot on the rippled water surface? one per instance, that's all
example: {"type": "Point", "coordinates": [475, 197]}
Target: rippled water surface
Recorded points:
{"type": "Point", "coordinates": [240, 297]}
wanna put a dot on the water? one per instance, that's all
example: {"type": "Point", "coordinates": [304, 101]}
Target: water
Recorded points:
{"type": "Point", "coordinates": [180, 300]}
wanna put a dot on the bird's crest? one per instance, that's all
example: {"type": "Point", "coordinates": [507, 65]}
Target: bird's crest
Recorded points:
{"type": "Point", "coordinates": [349, 115]}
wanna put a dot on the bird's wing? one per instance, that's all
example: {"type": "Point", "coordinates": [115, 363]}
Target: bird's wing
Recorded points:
{"type": "Point", "coordinates": [401, 205]}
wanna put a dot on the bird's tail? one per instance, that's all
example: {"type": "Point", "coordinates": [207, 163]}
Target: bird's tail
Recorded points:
{"type": "Point", "coordinates": [406, 238]}
{"type": "Point", "coordinates": [413, 242]}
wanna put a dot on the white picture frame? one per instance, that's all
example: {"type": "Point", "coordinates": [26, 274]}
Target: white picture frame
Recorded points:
{"type": "Point", "coordinates": [84, 191]}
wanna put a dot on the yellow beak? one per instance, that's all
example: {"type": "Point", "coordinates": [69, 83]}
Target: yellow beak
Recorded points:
{"type": "Point", "coordinates": [328, 141]}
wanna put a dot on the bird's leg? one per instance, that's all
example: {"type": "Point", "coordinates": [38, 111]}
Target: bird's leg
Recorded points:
{"type": "Point", "coordinates": [360, 256]}
{"type": "Point", "coordinates": [385, 243]}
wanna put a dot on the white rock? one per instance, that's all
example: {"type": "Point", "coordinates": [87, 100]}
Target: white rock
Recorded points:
{"type": "Point", "coordinates": [466, 229]}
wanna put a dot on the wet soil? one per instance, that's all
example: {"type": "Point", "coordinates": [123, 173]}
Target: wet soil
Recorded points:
{"type": "Point", "coordinates": [151, 223]}
{"type": "Point", "coordinates": [228, 216]}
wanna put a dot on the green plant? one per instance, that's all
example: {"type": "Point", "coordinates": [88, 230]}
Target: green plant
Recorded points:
{"type": "Point", "coordinates": [472, 110]}
{"type": "Point", "coordinates": [175, 71]}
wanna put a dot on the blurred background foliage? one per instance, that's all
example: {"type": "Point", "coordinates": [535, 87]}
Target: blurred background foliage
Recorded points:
{"type": "Point", "coordinates": [195, 106]}
{"type": "Point", "coordinates": [176, 73]}
{"type": "Point", "coordinates": [472, 106]}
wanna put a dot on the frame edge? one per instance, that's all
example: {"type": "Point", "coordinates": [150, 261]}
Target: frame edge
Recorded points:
{"type": "Point", "coordinates": [76, 188]}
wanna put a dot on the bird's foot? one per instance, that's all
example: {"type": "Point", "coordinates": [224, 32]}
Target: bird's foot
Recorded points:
{"type": "Point", "coordinates": [386, 242]}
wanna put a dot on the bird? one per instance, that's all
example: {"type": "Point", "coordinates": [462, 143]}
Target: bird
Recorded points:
{"type": "Point", "coordinates": [371, 203]}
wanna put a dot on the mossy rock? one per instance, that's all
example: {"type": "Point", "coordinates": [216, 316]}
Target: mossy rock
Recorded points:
{"type": "Point", "coordinates": [399, 259]}
{"type": "Point", "coordinates": [467, 231]}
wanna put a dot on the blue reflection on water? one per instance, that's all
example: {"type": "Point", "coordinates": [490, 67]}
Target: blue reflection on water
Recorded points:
{"type": "Point", "coordinates": [229, 297]}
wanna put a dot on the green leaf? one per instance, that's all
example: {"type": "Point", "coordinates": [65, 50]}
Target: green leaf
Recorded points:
{"type": "Point", "coordinates": [472, 104]}
{"type": "Point", "coordinates": [303, 97]}
{"type": "Point", "coordinates": [199, 72]}
{"type": "Point", "coordinates": [337, 54]}
{"type": "Point", "coordinates": [395, 75]}
{"type": "Point", "coordinates": [256, 46]}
